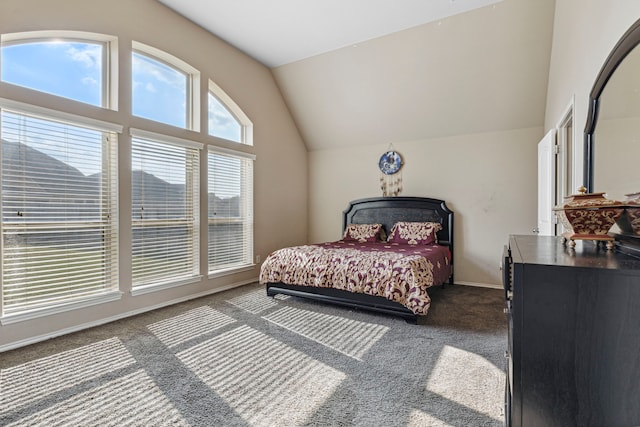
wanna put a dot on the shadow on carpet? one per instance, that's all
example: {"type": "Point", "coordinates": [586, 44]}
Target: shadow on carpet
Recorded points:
{"type": "Point", "coordinates": [240, 358]}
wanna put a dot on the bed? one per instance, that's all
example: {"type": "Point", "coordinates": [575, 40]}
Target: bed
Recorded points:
{"type": "Point", "coordinates": [363, 272]}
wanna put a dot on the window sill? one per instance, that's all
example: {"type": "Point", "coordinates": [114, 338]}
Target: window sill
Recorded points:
{"type": "Point", "coordinates": [61, 308]}
{"type": "Point", "coordinates": [146, 289]}
{"type": "Point", "coordinates": [228, 271]}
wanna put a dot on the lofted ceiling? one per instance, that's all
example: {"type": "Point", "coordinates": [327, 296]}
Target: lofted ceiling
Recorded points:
{"type": "Point", "coordinates": [278, 32]}
{"type": "Point", "coordinates": [375, 72]}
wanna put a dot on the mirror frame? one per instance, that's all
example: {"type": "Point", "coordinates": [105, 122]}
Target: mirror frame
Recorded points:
{"type": "Point", "coordinates": [628, 243]}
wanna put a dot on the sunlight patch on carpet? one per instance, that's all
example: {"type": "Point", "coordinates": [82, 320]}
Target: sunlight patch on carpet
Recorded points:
{"type": "Point", "coordinates": [265, 381]}
{"type": "Point", "coordinates": [189, 325]}
{"type": "Point", "coordinates": [26, 383]}
{"type": "Point", "coordinates": [483, 381]}
{"type": "Point", "coordinates": [350, 337]}
{"type": "Point", "coordinates": [255, 301]}
{"type": "Point", "coordinates": [130, 400]}
{"type": "Point", "coordinates": [418, 418]}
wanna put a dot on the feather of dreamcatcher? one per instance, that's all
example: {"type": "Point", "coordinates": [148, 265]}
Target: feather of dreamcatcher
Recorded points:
{"type": "Point", "coordinates": [391, 185]}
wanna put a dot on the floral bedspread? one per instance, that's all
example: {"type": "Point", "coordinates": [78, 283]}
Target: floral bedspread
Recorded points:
{"type": "Point", "coordinates": [398, 272]}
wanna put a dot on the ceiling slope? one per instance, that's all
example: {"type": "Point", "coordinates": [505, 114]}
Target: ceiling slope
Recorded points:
{"type": "Point", "coordinates": [482, 71]}
{"type": "Point", "coordinates": [278, 32]}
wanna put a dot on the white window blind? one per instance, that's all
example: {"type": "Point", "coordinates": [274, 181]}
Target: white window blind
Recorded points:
{"type": "Point", "coordinates": [165, 209]}
{"type": "Point", "coordinates": [230, 210]}
{"type": "Point", "coordinates": [59, 212]}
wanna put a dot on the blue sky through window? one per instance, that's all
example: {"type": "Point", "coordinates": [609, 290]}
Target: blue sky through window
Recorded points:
{"type": "Point", "coordinates": [159, 91]}
{"type": "Point", "coordinates": [221, 122]}
{"type": "Point", "coordinates": [68, 69]}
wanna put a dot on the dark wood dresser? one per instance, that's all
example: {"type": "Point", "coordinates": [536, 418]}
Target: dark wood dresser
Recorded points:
{"type": "Point", "coordinates": [574, 334]}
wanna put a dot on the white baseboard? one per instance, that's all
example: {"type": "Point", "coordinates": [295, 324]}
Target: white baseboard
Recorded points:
{"type": "Point", "coordinates": [76, 328]}
{"type": "Point", "coordinates": [479, 285]}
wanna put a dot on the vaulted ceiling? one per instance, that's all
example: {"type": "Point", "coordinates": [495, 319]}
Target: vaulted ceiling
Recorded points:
{"type": "Point", "coordinates": [278, 32]}
{"type": "Point", "coordinates": [367, 72]}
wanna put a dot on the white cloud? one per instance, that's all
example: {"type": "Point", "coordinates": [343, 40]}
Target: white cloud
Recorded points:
{"type": "Point", "coordinates": [89, 81]}
{"type": "Point", "coordinates": [220, 116]}
{"type": "Point", "coordinates": [89, 55]}
{"type": "Point", "coordinates": [147, 68]}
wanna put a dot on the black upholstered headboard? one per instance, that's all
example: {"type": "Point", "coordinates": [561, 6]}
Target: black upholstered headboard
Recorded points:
{"type": "Point", "coordinates": [389, 210]}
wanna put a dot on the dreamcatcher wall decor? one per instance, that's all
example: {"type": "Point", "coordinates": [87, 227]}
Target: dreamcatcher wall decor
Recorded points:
{"type": "Point", "coordinates": [390, 175]}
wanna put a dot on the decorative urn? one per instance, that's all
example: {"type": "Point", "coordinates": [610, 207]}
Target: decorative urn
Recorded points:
{"type": "Point", "coordinates": [630, 221]}
{"type": "Point", "coordinates": [588, 216]}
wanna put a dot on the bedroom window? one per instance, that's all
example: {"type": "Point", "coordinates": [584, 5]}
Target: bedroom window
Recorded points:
{"type": "Point", "coordinates": [59, 211]}
{"type": "Point", "coordinates": [230, 210]}
{"type": "Point", "coordinates": [165, 211]}
{"type": "Point", "coordinates": [165, 89]}
{"type": "Point", "coordinates": [75, 65]}
{"type": "Point", "coordinates": [226, 119]}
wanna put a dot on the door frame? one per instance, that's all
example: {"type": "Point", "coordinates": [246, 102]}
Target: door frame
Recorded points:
{"type": "Point", "coordinates": [566, 163]}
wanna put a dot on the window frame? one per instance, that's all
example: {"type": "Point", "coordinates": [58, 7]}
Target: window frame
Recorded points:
{"type": "Point", "coordinates": [194, 182]}
{"type": "Point", "coordinates": [111, 69]}
{"type": "Point", "coordinates": [246, 199]}
{"type": "Point", "coordinates": [113, 293]}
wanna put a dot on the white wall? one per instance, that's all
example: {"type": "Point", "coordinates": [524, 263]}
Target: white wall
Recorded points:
{"type": "Point", "coordinates": [461, 99]}
{"type": "Point", "coordinates": [280, 169]}
{"type": "Point", "coordinates": [487, 179]}
{"type": "Point", "coordinates": [585, 31]}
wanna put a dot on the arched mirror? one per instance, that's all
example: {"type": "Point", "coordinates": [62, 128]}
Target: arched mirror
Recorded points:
{"type": "Point", "coordinates": [612, 131]}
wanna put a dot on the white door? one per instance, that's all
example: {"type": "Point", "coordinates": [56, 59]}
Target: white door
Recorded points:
{"type": "Point", "coordinates": [547, 184]}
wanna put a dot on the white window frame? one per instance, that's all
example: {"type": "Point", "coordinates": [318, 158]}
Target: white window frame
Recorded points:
{"type": "Point", "coordinates": [192, 121]}
{"type": "Point", "coordinates": [246, 218]}
{"type": "Point", "coordinates": [113, 293]}
{"type": "Point", "coordinates": [110, 88]}
{"type": "Point", "coordinates": [110, 67]}
{"type": "Point", "coordinates": [194, 183]}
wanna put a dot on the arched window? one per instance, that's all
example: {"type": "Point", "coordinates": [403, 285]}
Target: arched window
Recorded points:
{"type": "Point", "coordinates": [230, 187]}
{"type": "Point", "coordinates": [60, 175]}
{"type": "Point", "coordinates": [165, 89]}
{"type": "Point", "coordinates": [73, 65]}
{"type": "Point", "coordinates": [226, 119]}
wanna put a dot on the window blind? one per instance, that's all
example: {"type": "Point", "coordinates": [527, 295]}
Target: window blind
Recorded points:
{"type": "Point", "coordinates": [165, 210]}
{"type": "Point", "coordinates": [230, 209]}
{"type": "Point", "coordinates": [59, 211]}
